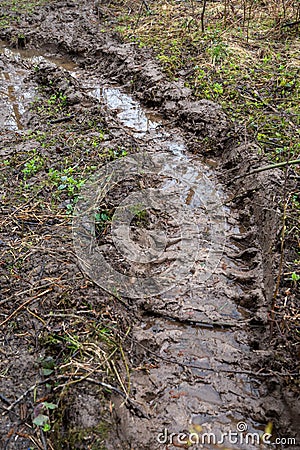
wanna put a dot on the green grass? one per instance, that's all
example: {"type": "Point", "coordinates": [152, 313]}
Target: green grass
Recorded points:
{"type": "Point", "coordinates": [254, 78]}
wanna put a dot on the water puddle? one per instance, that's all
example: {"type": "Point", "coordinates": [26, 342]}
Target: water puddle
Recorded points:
{"type": "Point", "coordinates": [210, 354]}
{"type": "Point", "coordinates": [16, 94]}
{"type": "Point", "coordinates": [197, 381]}
{"type": "Point", "coordinates": [14, 97]}
{"type": "Point", "coordinates": [128, 110]}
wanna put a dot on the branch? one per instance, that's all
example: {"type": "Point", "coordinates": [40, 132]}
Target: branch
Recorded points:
{"type": "Point", "coordinates": [291, 24]}
{"type": "Point", "coordinates": [271, 166]}
{"type": "Point", "coordinates": [202, 16]}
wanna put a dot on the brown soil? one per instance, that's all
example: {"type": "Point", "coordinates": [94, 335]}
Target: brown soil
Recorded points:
{"type": "Point", "coordinates": [194, 364]}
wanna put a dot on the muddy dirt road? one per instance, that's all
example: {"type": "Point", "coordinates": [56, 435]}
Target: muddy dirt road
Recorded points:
{"type": "Point", "coordinates": [167, 264]}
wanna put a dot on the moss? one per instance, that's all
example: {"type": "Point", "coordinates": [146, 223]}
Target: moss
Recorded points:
{"type": "Point", "coordinates": [76, 438]}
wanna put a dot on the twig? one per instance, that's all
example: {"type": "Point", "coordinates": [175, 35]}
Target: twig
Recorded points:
{"type": "Point", "coordinates": [271, 166]}
{"type": "Point", "coordinates": [22, 206]}
{"type": "Point", "coordinates": [143, 3]}
{"type": "Point", "coordinates": [35, 441]}
{"type": "Point", "coordinates": [43, 439]}
{"type": "Point", "coordinates": [14, 313]}
{"type": "Point", "coordinates": [199, 323]}
{"type": "Point", "coordinates": [202, 16]}
{"type": "Point", "coordinates": [27, 291]}
{"type": "Point", "coordinates": [290, 24]}
{"type": "Point", "coordinates": [146, 5]}
{"type": "Point", "coordinates": [205, 369]}
{"type": "Point", "coordinates": [62, 119]}
{"type": "Point", "coordinates": [12, 405]}
{"type": "Point", "coordinates": [114, 389]}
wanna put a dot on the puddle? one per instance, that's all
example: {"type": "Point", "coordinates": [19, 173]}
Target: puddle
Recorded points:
{"type": "Point", "coordinates": [128, 110]}
{"type": "Point", "coordinates": [15, 93]}
{"type": "Point", "coordinates": [15, 97]}
{"type": "Point", "coordinates": [35, 56]}
{"type": "Point", "coordinates": [201, 382]}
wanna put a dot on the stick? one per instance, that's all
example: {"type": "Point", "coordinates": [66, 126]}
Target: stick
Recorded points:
{"type": "Point", "coordinates": [24, 394]}
{"type": "Point", "coordinates": [34, 288]}
{"type": "Point", "coordinates": [202, 16]}
{"type": "Point", "coordinates": [16, 311]}
{"type": "Point", "coordinates": [271, 166]}
{"type": "Point", "coordinates": [43, 439]}
{"type": "Point", "coordinates": [205, 369]}
{"type": "Point", "coordinates": [291, 24]}
{"type": "Point", "coordinates": [143, 3]}
{"type": "Point", "coordinates": [62, 119]}
{"type": "Point", "coordinates": [114, 389]}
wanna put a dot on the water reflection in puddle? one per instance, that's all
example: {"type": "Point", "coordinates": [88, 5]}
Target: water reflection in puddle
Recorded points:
{"type": "Point", "coordinates": [13, 98]}
{"type": "Point", "coordinates": [15, 93]}
{"type": "Point", "coordinates": [128, 110]}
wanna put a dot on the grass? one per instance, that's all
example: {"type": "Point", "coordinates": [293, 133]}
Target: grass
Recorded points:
{"type": "Point", "coordinates": [249, 66]}
{"type": "Point", "coordinates": [86, 349]}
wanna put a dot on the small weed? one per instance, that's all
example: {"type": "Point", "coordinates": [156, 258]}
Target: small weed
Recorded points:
{"type": "Point", "coordinates": [59, 99]}
{"type": "Point", "coordinates": [295, 278]}
{"type": "Point", "coordinates": [218, 52]}
{"type": "Point", "coordinates": [117, 153]}
{"type": "Point", "coordinates": [33, 166]}
{"type": "Point", "coordinates": [97, 140]}
{"type": "Point", "coordinates": [102, 221]}
{"type": "Point", "coordinates": [41, 416]}
{"type": "Point", "coordinates": [139, 211]}
{"type": "Point", "coordinates": [66, 181]}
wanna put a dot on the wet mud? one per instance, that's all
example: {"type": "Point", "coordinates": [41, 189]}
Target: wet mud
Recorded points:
{"type": "Point", "coordinates": [199, 354]}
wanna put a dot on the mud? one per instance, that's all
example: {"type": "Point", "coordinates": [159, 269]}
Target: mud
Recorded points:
{"type": "Point", "coordinates": [198, 363]}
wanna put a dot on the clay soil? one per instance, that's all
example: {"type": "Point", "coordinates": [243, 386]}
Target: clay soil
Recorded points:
{"type": "Point", "coordinates": [100, 371]}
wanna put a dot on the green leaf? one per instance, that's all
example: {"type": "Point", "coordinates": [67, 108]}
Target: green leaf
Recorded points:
{"type": "Point", "coordinates": [49, 405]}
{"type": "Point", "coordinates": [40, 420]}
{"type": "Point", "coordinates": [48, 363]}
{"type": "Point", "coordinates": [47, 371]}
